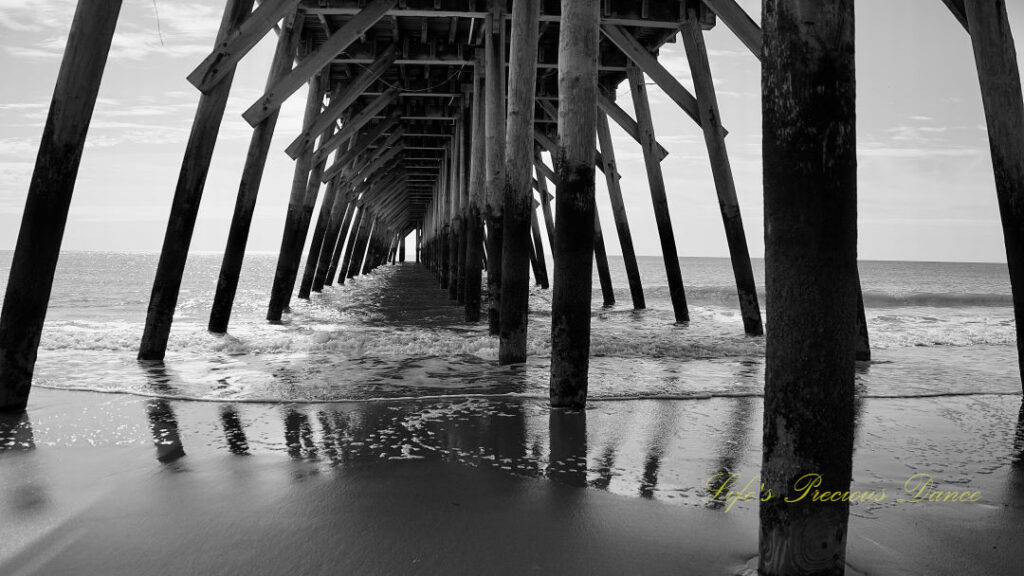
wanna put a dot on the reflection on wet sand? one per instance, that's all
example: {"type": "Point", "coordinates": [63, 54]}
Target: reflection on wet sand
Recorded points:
{"type": "Point", "coordinates": [568, 437]}
{"type": "Point", "coordinates": [233, 433]}
{"type": "Point", "coordinates": [164, 426]}
{"type": "Point", "coordinates": [29, 493]}
{"type": "Point", "coordinates": [163, 423]}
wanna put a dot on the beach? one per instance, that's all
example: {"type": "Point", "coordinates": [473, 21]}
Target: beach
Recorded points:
{"type": "Point", "coordinates": [118, 484]}
{"type": "Point", "coordinates": [374, 433]}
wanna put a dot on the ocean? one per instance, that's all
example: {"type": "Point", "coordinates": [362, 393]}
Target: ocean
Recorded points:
{"type": "Point", "coordinates": [936, 329]}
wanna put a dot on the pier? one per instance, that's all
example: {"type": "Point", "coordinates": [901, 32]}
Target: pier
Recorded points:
{"type": "Point", "coordinates": [480, 128]}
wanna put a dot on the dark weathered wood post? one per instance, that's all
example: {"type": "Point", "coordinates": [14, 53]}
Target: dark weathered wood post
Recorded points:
{"type": "Point", "coordinates": [474, 218]}
{"type": "Point", "coordinates": [645, 128]}
{"type": "Point", "coordinates": [280, 292]}
{"type": "Point", "coordinates": [604, 274]}
{"type": "Point", "coordinates": [574, 231]}
{"type": "Point", "coordinates": [339, 213]}
{"type": "Point", "coordinates": [721, 169]}
{"type": "Point", "coordinates": [249, 187]}
{"type": "Point", "coordinates": [538, 247]}
{"type": "Point", "coordinates": [401, 249]}
{"type": "Point", "coordinates": [996, 59]}
{"type": "Point", "coordinates": [518, 191]}
{"type": "Point", "coordinates": [317, 242]}
{"type": "Point", "coordinates": [495, 163]}
{"type": "Point", "coordinates": [545, 198]}
{"type": "Point", "coordinates": [810, 197]}
{"type": "Point", "coordinates": [187, 194]}
{"type": "Point", "coordinates": [419, 239]}
{"type": "Point", "coordinates": [358, 226]}
{"type": "Point", "coordinates": [339, 246]}
{"type": "Point", "coordinates": [611, 172]}
{"type": "Point", "coordinates": [49, 196]}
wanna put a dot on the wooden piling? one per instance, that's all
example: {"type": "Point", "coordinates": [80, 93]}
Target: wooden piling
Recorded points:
{"type": "Point", "coordinates": [996, 59]}
{"type": "Point", "coordinates": [300, 183]}
{"type": "Point", "coordinates": [339, 247]}
{"type": "Point", "coordinates": [810, 198]}
{"type": "Point", "coordinates": [611, 172]}
{"type": "Point", "coordinates": [474, 217]}
{"type": "Point", "coordinates": [721, 169]}
{"type": "Point", "coordinates": [248, 188]}
{"type": "Point", "coordinates": [316, 243]}
{"type": "Point", "coordinates": [49, 196]}
{"type": "Point", "coordinates": [350, 248]}
{"type": "Point", "coordinates": [538, 247]}
{"type": "Point", "coordinates": [518, 191]}
{"type": "Point", "coordinates": [645, 127]}
{"type": "Point", "coordinates": [604, 273]}
{"type": "Point", "coordinates": [495, 164]}
{"type": "Point", "coordinates": [340, 211]}
{"type": "Point", "coordinates": [574, 232]}
{"type": "Point", "coordinates": [545, 198]}
{"type": "Point", "coordinates": [187, 195]}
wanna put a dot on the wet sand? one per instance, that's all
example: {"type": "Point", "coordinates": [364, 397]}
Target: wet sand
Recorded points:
{"type": "Point", "coordinates": [119, 484]}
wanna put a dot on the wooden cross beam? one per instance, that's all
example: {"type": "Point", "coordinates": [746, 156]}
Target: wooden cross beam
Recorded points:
{"type": "Point", "coordinates": [743, 26]}
{"type": "Point", "coordinates": [341, 102]}
{"type": "Point", "coordinates": [351, 128]}
{"type": "Point", "coordinates": [380, 161]}
{"type": "Point", "coordinates": [959, 12]}
{"type": "Point", "coordinates": [361, 144]}
{"type": "Point", "coordinates": [313, 63]}
{"type": "Point", "coordinates": [228, 52]}
{"type": "Point", "coordinates": [623, 119]}
{"type": "Point", "coordinates": [649, 64]}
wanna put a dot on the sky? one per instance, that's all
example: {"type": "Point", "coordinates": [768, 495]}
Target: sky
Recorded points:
{"type": "Point", "coordinates": [926, 189]}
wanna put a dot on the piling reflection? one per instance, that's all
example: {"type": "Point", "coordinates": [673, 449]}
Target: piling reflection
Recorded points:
{"type": "Point", "coordinates": [731, 449]}
{"type": "Point", "coordinates": [163, 425]}
{"type": "Point", "coordinates": [233, 433]}
{"type": "Point", "coordinates": [298, 435]}
{"type": "Point", "coordinates": [1015, 485]}
{"type": "Point", "coordinates": [29, 488]}
{"type": "Point", "coordinates": [16, 432]}
{"type": "Point", "coordinates": [567, 432]}
{"type": "Point", "coordinates": [664, 425]}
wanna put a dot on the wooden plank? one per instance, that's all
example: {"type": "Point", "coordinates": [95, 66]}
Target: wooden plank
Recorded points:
{"type": "Point", "coordinates": [188, 193]}
{"type": "Point", "coordinates": [741, 24]}
{"type": "Point", "coordinates": [578, 49]}
{"type": "Point", "coordinates": [611, 172]}
{"type": "Point", "coordinates": [659, 198]}
{"type": "Point", "coordinates": [340, 235]}
{"type": "Point", "coordinates": [49, 196]}
{"type": "Point", "coordinates": [623, 119]}
{"type": "Point", "coordinates": [721, 170]}
{"type": "Point", "coordinates": [340, 103]}
{"type": "Point", "coordinates": [231, 50]}
{"type": "Point", "coordinates": [313, 63]}
{"type": "Point", "coordinates": [352, 126]}
{"type": "Point", "coordinates": [649, 64]}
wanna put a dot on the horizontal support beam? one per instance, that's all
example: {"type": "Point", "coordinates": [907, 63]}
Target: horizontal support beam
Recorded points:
{"type": "Point", "coordinates": [354, 124]}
